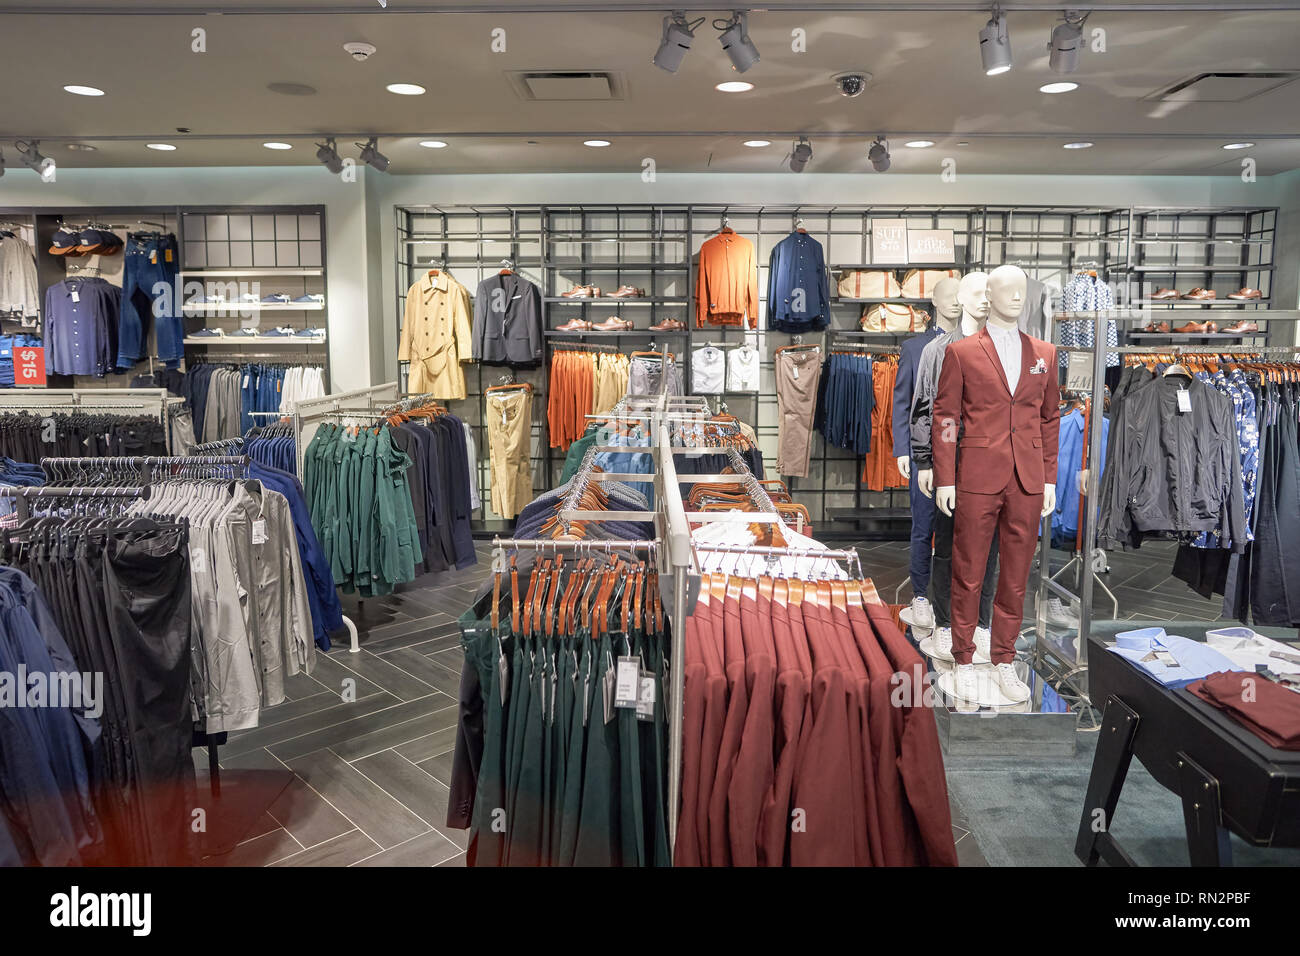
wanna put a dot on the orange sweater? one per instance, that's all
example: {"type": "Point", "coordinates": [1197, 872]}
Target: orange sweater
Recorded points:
{"type": "Point", "coordinates": [726, 283]}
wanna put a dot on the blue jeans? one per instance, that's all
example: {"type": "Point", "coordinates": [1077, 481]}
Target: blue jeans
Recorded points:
{"type": "Point", "coordinates": [923, 509]}
{"type": "Point", "coordinates": [150, 262]}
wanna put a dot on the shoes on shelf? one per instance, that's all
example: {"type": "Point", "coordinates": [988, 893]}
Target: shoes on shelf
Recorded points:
{"type": "Point", "coordinates": [1198, 328]}
{"type": "Point", "coordinates": [582, 292]}
{"type": "Point", "coordinates": [275, 298]}
{"type": "Point", "coordinates": [1245, 294]}
{"type": "Point", "coordinates": [668, 325]}
{"type": "Point", "coordinates": [612, 324]}
{"type": "Point", "coordinates": [1201, 295]}
{"type": "Point", "coordinates": [1156, 327]}
{"type": "Point", "coordinates": [1012, 686]}
{"type": "Point", "coordinates": [574, 325]}
{"type": "Point", "coordinates": [1242, 327]}
{"type": "Point", "coordinates": [922, 613]}
{"type": "Point", "coordinates": [1164, 294]}
{"type": "Point", "coordinates": [627, 292]}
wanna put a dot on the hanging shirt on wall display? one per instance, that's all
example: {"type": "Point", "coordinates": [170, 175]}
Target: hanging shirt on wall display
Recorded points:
{"type": "Point", "coordinates": [19, 292]}
{"type": "Point", "coordinates": [798, 288]}
{"type": "Point", "coordinates": [726, 285]}
{"type": "Point", "coordinates": [742, 369]}
{"type": "Point", "coordinates": [508, 321]}
{"type": "Point", "coordinates": [81, 317]}
{"type": "Point", "coordinates": [436, 336]}
{"type": "Point", "coordinates": [708, 369]}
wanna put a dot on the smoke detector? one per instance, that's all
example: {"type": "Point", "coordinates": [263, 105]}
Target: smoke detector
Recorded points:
{"type": "Point", "coordinates": [360, 51]}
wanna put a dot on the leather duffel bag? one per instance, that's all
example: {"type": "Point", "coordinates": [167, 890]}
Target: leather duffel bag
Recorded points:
{"type": "Point", "coordinates": [893, 317]}
{"type": "Point", "coordinates": [869, 284]}
{"type": "Point", "coordinates": [920, 283]}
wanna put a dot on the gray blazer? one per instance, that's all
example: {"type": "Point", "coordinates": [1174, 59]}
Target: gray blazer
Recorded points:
{"type": "Point", "coordinates": [508, 321]}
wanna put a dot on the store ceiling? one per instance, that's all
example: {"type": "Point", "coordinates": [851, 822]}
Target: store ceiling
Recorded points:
{"type": "Point", "coordinates": [927, 84]}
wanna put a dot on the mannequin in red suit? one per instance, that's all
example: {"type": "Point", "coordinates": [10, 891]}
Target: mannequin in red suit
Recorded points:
{"type": "Point", "coordinates": [998, 400]}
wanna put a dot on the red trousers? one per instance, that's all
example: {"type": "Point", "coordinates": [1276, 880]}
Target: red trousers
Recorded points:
{"type": "Point", "coordinates": [1015, 515]}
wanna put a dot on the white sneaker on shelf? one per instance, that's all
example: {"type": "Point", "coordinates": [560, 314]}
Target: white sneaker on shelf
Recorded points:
{"type": "Point", "coordinates": [965, 684]}
{"type": "Point", "coordinates": [942, 644]}
{"type": "Point", "coordinates": [1058, 615]}
{"type": "Point", "coordinates": [922, 614]}
{"type": "Point", "coordinates": [1012, 686]}
{"type": "Point", "coordinates": [983, 640]}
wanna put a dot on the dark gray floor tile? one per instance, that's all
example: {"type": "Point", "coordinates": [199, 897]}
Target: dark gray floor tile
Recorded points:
{"type": "Point", "coordinates": [298, 707]}
{"type": "Point", "coordinates": [360, 726]}
{"type": "Point", "coordinates": [430, 745]}
{"type": "Point", "coordinates": [428, 849]}
{"type": "Point", "coordinates": [302, 811]}
{"type": "Point", "coordinates": [394, 734]}
{"type": "Point", "coordinates": [261, 850]}
{"type": "Point", "coordinates": [413, 788]}
{"type": "Point", "coordinates": [393, 635]}
{"type": "Point", "coordinates": [457, 860]}
{"type": "Point", "coordinates": [431, 646]}
{"type": "Point", "coordinates": [246, 740]}
{"type": "Point", "coordinates": [301, 685]}
{"type": "Point", "coordinates": [433, 674]}
{"type": "Point", "coordinates": [340, 851]}
{"type": "Point", "coordinates": [393, 679]}
{"type": "Point", "coordinates": [438, 767]}
{"type": "Point", "coordinates": [331, 672]}
{"type": "Point", "coordinates": [969, 853]}
{"type": "Point", "coordinates": [358, 798]}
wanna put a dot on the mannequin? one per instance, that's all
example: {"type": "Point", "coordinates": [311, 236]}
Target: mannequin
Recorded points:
{"type": "Point", "coordinates": [999, 393]}
{"type": "Point", "coordinates": [947, 310]}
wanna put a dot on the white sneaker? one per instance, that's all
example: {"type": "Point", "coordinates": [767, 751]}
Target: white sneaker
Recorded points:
{"type": "Point", "coordinates": [942, 644]}
{"type": "Point", "coordinates": [922, 613]}
{"type": "Point", "coordinates": [1058, 615]}
{"type": "Point", "coordinates": [983, 641]}
{"type": "Point", "coordinates": [1012, 686]}
{"type": "Point", "coordinates": [965, 685]}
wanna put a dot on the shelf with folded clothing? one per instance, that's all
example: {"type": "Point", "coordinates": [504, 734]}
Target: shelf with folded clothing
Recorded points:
{"type": "Point", "coordinates": [579, 266]}
{"type": "Point", "coordinates": [1172, 269]}
{"type": "Point", "coordinates": [251, 272]}
{"type": "Point", "coordinates": [610, 300]}
{"type": "Point", "coordinates": [252, 306]}
{"type": "Point", "coordinates": [288, 341]}
{"type": "Point", "coordinates": [574, 333]}
{"type": "Point", "coordinates": [894, 266]}
{"type": "Point", "coordinates": [1217, 336]}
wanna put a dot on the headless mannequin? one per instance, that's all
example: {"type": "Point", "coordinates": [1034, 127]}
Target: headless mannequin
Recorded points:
{"type": "Point", "coordinates": [1004, 300]}
{"type": "Point", "coordinates": [973, 301]}
{"type": "Point", "coordinates": [947, 311]}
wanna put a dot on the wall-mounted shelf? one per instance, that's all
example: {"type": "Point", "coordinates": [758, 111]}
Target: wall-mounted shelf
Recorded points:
{"type": "Point", "coordinates": [286, 341]}
{"type": "Point", "coordinates": [899, 300]}
{"type": "Point", "coordinates": [249, 273]}
{"type": "Point", "coordinates": [1175, 269]}
{"type": "Point", "coordinates": [237, 307]}
{"type": "Point", "coordinates": [652, 333]}
{"type": "Point", "coordinates": [611, 300]}
{"type": "Point", "coordinates": [578, 266]}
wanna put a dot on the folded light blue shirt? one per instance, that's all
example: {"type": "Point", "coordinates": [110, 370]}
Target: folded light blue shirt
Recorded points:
{"type": "Point", "coordinates": [1192, 660]}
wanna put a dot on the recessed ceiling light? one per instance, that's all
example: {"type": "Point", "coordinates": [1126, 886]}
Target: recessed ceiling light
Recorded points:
{"type": "Point", "coordinates": [758, 143]}
{"type": "Point", "coordinates": [1078, 146]}
{"type": "Point", "coordinates": [433, 144]}
{"type": "Point", "coordinates": [920, 143]}
{"type": "Point", "coordinates": [595, 142]}
{"type": "Point", "coordinates": [1238, 145]}
{"type": "Point", "coordinates": [734, 86]}
{"type": "Point", "coordinates": [277, 146]}
{"type": "Point", "coordinates": [162, 147]}
{"type": "Point", "coordinates": [82, 147]}
{"type": "Point", "coordinates": [405, 89]}
{"type": "Point", "coordinates": [84, 90]}
{"type": "Point", "coordinates": [1063, 87]}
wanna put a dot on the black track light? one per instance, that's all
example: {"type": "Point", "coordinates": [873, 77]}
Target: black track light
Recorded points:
{"type": "Point", "coordinates": [328, 156]}
{"type": "Point", "coordinates": [800, 155]}
{"type": "Point", "coordinates": [678, 35]}
{"type": "Point", "coordinates": [371, 156]}
{"type": "Point", "coordinates": [735, 40]}
{"type": "Point", "coordinates": [879, 155]}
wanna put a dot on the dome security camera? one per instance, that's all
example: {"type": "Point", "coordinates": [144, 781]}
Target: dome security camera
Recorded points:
{"type": "Point", "coordinates": [360, 51]}
{"type": "Point", "coordinates": [851, 84]}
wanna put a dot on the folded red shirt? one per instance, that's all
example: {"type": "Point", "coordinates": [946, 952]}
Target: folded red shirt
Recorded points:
{"type": "Point", "coordinates": [1266, 709]}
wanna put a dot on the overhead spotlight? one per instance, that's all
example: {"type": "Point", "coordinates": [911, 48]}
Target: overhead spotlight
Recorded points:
{"type": "Point", "coordinates": [31, 156]}
{"type": "Point", "coordinates": [328, 156]}
{"type": "Point", "coordinates": [371, 156]}
{"type": "Point", "coordinates": [800, 155]}
{"type": "Point", "coordinates": [879, 155]}
{"type": "Point", "coordinates": [735, 40]}
{"type": "Point", "coordinates": [1067, 41]}
{"type": "Point", "coordinates": [995, 44]}
{"type": "Point", "coordinates": [679, 34]}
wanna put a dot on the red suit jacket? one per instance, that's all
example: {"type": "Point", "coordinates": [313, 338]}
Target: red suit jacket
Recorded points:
{"type": "Point", "coordinates": [998, 434]}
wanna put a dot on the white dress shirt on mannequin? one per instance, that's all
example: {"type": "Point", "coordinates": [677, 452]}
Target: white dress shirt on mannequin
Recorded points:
{"type": "Point", "coordinates": [1007, 342]}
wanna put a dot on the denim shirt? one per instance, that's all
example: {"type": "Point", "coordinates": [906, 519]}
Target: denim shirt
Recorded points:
{"type": "Point", "coordinates": [798, 289]}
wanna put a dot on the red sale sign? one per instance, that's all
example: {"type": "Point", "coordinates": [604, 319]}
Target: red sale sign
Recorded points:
{"type": "Point", "coordinates": [29, 366]}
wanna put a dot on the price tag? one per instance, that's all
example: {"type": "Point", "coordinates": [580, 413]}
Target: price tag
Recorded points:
{"type": "Point", "coordinates": [259, 531]}
{"type": "Point", "coordinates": [503, 674]}
{"type": "Point", "coordinates": [76, 296]}
{"type": "Point", "coordinates": [608, 693]}
{"type": "Point", "coordinates": [645, 701]}
{"type": "Point", "coordinates": [198, 561]}
{"type": "Point", "coordinates": [628, 685]}
{"type": "Point", "coordinates": [795, 370]}
{"type": "Point", "coordinates": [1184, 401]}
{"type": "Point", "coordinates": [29, 366]}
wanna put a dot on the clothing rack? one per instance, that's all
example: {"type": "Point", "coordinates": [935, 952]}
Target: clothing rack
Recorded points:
{"type": "Point", "coordinates": [152, 401]}
{"type": "Point", "coordinates": [309, 413]}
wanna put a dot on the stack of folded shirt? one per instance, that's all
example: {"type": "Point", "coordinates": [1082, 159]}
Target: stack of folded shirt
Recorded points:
{"type": "Point", "coordinates": [1267, 710]}
{"type": "Point", "coordinates": [1173, 661]}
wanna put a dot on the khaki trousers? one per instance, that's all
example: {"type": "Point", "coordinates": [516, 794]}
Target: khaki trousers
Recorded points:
{"type": "Point", "coordinates": [510, 430]}
{"type": "Point", "coordinates": [797, 374]}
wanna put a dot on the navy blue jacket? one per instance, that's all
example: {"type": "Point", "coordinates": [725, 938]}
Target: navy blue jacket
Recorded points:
{"type": "Point", "coordinates": [797, 263]}
{"type": "Point", "coordinates": [905, 383]}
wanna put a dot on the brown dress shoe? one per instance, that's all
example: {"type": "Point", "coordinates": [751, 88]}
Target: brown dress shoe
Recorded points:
{"type": "Point", "coordinates": [581, 292]}
{"type": "Point", "coordinates": [627, 292]}
{"type": "Point", "coordinates": [1194, 328]}
{"type": "Point", "coordinates": [612, 324]}
{"type": "Point", "coordinates": [1165, 294]}
{"type": "Point", "coordinates": [1201, 295]}
{"type": "Point", "coordinates": [1156, 327]}
{"type": "Point", "coordinates": [1241, 327]}
{"type": "Point", "coordinates": [1245, 294]}
{"type": "Point", "coordinates": [668, 325]}
{"type": "Point", "coordinates": [574, 325]}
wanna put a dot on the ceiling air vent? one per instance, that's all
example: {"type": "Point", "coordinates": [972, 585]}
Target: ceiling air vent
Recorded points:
{"type": "Point", "coordinates": [1224, 87]}
{"type": "Point", "coordinates": [567, 85]}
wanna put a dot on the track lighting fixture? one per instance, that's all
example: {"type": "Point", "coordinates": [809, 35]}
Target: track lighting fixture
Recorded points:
{"type": "Point", "coordinates": [2, 162]}
{"type": "Point", "coordinates": [800, 155]}
{"type": "Point", "coordinates": [328, 156]}
{"type": "Point", "coordinates": [31, 156]}
{"type": "Point", "coordinates": [735, 41]}
{"type": "Point", "coordinates": [1066, 42]}
{"type": "Point", "coordinates": [678, 35]}
{"type": "Point", "coordinates": [995, 44]}
{"type": "Point", "coordinates": [879, 155]}
{"type": "Point", "coordinates": [371, 156]}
